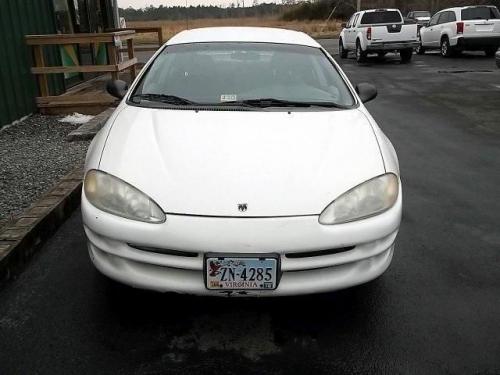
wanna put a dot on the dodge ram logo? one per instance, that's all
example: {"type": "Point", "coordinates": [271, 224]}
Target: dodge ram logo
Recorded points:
{"type": "Point", "coordinates": [242, 207]}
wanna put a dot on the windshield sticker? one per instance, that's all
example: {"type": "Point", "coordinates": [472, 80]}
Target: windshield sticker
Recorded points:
{"type": "Point", "coordinates": [228, 98]}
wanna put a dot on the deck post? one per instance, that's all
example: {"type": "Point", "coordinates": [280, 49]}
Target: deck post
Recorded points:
{"type": "Point", "coordinates": [130, 48]}
{"type": "Point", "coordinates": [42, 78]}
{"type": "Point", "coordinates": [111, 49]}
{"type": "Point", "coordinates": [160, 36]}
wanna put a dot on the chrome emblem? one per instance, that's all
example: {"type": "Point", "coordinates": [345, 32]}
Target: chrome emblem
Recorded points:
{"type": "Point", "coordinates": [393, 26]}
{"type": "Point", "coordinates": [242, 207]}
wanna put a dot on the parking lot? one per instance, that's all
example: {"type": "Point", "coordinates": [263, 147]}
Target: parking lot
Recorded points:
{"type": "Point", "coordinates": [436, 310]}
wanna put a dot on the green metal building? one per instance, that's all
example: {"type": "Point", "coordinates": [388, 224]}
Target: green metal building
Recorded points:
{"type": "Point", "coordinates": [18, 87]}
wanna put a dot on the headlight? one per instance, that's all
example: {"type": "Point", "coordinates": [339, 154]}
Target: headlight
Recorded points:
{"type": "Point", "coordinates": [110, 194]}
{"type": "Point", "coordinates": [367, 199]}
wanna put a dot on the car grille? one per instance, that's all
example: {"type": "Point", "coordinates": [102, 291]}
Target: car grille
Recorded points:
{"type": "Point", "coordinates": [191, 254]}
{"type": "Point", "coordinates": [179, 253]}
{"type": "Point", "coordinates": [319, 253]}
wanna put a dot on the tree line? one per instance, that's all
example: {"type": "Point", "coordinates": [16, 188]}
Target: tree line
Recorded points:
{"type": "Point", "coordinates": [320, 9]}
{"type": "Point", "coordinates": [234, 10]}
{"type": "Point", "coordinates": [288, 9]}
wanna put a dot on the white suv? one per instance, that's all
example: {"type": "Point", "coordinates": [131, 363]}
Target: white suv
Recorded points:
{"type": "Point", "coordinates": [453, 30]}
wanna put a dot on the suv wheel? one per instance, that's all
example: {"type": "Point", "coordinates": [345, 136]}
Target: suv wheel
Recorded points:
{"type": "Point", "coordinates": [360, 54]}
{"type": "Point", "coordinates": [342, 51]}
{"type": "Point", "coordinates": [446, 50]}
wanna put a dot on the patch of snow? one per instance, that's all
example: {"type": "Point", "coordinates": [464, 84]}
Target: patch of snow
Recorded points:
{"type": "Point", "coordinates": [77, 118]}
{"type": "Point", "coordinates": [14, 123]}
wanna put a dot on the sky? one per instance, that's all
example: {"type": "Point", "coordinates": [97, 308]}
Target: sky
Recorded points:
{"type": "Point", "coordinates": [145, 3]}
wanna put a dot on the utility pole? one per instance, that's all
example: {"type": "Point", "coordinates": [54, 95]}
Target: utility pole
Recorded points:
{"type": "Point", "coordinates": [358, 6]}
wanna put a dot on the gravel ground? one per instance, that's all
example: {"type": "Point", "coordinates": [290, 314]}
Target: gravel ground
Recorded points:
{"type": "Point", "coordinates": [34, 155]}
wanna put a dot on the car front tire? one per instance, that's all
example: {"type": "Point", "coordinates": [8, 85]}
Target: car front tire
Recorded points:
{"type": "Point", "coordinates": [342, 51]}
{"type": "Point", "coordinates": [360, 54]}
{"type": "Point", "coordinates": [420, 50]}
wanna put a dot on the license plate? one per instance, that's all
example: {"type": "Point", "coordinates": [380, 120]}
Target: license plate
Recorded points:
{"type": "Point", "coordinates": [245, 272]}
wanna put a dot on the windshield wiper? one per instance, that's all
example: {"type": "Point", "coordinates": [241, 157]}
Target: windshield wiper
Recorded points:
{"type": "Point", "coordinates": [162, 98]}
{"type": "Point", "coordinates": [272, 102]}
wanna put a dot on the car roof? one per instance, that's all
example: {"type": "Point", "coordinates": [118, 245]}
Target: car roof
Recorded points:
{"type": "Point", "coordinates": [243, 34]}
{"type": "Point", "coordinates": [380, 10]}
{"type": "Point", "coordinates": [455, 9]}
{"type": "Point", "coordinates": [452, 9]}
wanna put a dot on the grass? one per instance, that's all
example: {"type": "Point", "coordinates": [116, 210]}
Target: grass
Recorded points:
{"type": "Point", "coordinates": [315, 28]}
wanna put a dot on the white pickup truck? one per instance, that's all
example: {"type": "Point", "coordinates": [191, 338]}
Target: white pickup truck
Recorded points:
{"type": "Point", "coordinates": [378, 31]}
{"type": "Point", "coordinates": [455, 30]}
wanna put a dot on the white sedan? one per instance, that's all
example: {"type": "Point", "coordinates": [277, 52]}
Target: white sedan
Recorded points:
{"type": "Point", "coordinates": [241, 161]}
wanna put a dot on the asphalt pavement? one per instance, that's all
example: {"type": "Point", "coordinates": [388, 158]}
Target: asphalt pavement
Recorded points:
{"type": "Point", "coordinates": [436, 310]}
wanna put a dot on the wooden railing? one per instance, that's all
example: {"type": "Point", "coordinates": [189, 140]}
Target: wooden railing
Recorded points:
{"type": "Point", "coordinates": [145, 30]}
{"type": "Point", "coordinates": [112, 40]}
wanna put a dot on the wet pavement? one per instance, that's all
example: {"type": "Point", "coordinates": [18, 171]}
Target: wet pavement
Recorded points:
{"type": "Point", "coordinates": [436, 310]}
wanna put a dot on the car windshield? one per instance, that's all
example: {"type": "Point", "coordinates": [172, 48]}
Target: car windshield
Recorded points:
{"type": "Point", "coordinates": [373, 18]}
{"type": "Point", "coordinates": [480, 13]}
{"type": "Point", "coordinates": [421, 14]}
{"type": "Point", "coordinates": [250, 74]}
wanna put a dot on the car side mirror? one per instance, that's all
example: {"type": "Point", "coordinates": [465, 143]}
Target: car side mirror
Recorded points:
{"type": "Point", "coordinates": [117, 88]}
{"type": "Point", "coordinates": [343, 25]}
{"type": "Point", "coordinates": [366, 91]}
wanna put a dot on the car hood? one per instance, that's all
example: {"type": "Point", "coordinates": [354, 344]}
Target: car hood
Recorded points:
{"type": "Point", "coordinates": [209, 162]}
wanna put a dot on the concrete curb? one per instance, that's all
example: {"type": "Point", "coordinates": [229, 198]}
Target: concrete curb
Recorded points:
{"type": "Point", "coordinates": [23, 237]}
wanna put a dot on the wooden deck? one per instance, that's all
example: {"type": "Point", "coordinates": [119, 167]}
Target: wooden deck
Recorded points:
{"type": "Point", "coordinates": [82, 98]}
{"type": "Point", "coordinates": [89, 97]}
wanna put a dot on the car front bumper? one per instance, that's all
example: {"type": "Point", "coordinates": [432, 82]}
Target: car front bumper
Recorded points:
{"type": "Point", "coordinates": [391, 46]}
{"type": "Point", "coordinates": [113, 244]}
